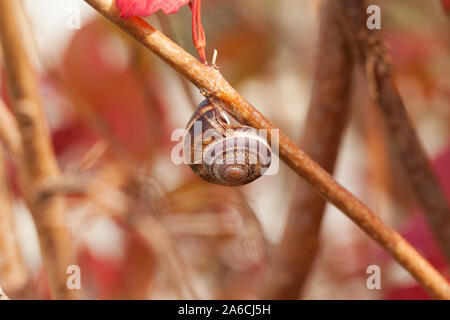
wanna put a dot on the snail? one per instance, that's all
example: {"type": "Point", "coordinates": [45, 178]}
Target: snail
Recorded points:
{"type": "Point", "coordinates": [222, 153]}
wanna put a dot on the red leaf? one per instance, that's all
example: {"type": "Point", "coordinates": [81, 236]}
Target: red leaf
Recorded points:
{"type": "Point", "coordinates": [133, 112]}
{"type": "Point", "coordinates": [130, 8]}
{"type": "Point", "coordinates": [446, 5]}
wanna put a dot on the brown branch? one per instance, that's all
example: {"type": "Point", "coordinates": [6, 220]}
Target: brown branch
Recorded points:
{"type": "Point", "coordinates": [213, 85]}
{"type": "Point", "coordinates": [37, 163]}
{"type": "Point", "coordinates": [13, 273]}
{"type": "Point", "coordinates": [374, 57]}
{"type": "Point", "coordinates": [325, 123]}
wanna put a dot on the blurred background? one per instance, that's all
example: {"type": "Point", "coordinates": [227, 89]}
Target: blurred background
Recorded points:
{"type": "Point", "coordinates": [146, 228]}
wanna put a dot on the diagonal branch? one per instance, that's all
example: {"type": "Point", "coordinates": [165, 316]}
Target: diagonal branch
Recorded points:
{"type": "Point", "coordinates": [37, 163]}
{"type": "Point", "coordinates": [374, 57]}
{"type": "Point", "coordinates": [325, 123]}
{"type": "Point", "coordinates": [213, 85]}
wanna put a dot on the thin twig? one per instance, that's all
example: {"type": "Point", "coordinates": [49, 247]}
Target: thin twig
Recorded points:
{"type": "Point", "coordinates": [213, 85]}
{"type": "Point", "coordinates": [325, 123]}
{"type": "Point", "coordinates": [372, 54]}
{"type": "Point", "coordinates": [37, 163]}
{"type": "Point", "coordinates": [214, 59]}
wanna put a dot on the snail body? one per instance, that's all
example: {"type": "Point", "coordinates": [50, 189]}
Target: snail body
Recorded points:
{"type": "Point", "coordinates": [221, 153]}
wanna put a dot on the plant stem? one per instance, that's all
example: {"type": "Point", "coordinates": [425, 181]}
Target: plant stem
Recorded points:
{"type": "Point", "coordinates": [214, 86]}
{"type": "Point", "coordinates": [37, 164]}
{"type": "Point", "coordinates": [325, 123]}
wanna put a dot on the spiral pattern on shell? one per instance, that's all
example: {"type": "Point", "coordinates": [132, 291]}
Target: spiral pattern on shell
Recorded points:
{"type": "Point", "coordinates": [221, 153]}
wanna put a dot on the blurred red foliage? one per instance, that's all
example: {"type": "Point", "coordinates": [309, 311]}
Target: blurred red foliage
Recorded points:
{"type": "Point", "coordinates": [106, 277]}
{"type": "Point", "coordinates": [130, 105]}
{"type": "Point", "coordinates": [446, 5]}
{"type": "Point", "coordinates": [418, 233]}
{"type": "Point", "coordinates": [130, 8]}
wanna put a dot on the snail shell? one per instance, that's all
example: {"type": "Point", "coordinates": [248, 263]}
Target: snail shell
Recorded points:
{"type": "Point", "coordinates": [221, 153]}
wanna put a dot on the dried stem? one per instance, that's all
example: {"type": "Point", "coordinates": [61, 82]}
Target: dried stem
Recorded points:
{"type": "Point", "coordinates": [325, 123]}
{"type": "Point", "coordinates": [213, 85]}
{"type": "Point", "coordinates": [37, 163]}
{"type": "Point", "coordinates": [13, 274]}
{"type": "Point", "coordinates": [374, 57]}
